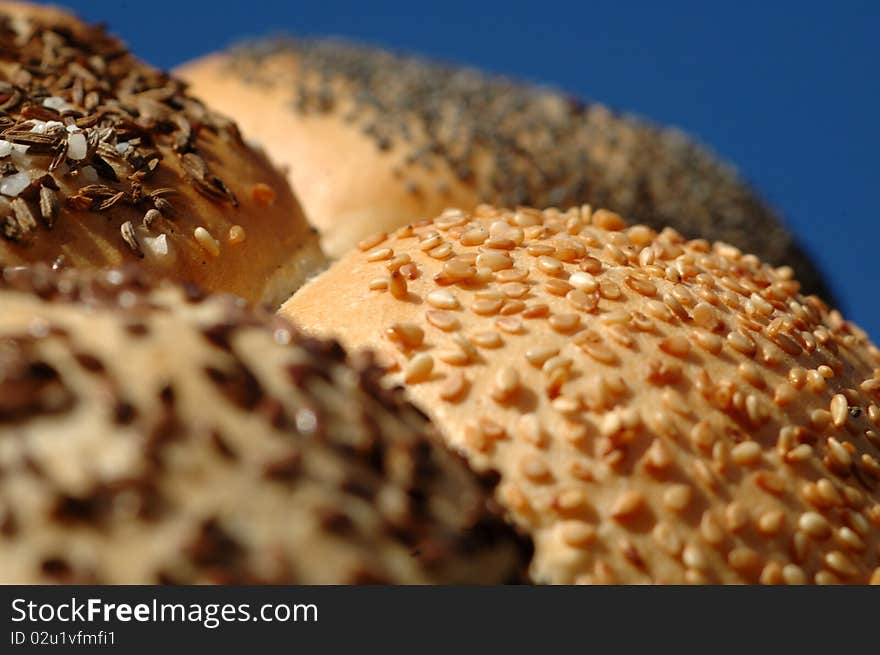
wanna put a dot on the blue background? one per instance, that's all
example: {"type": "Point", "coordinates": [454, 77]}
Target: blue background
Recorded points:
{"type": "Point", "coordinates": [787, 91]}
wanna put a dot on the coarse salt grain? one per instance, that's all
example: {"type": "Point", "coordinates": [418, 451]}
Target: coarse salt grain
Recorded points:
{"type": "Point", "coordinates": [12, 185]}
{"type": "Point", "coordinates": [76, 146]}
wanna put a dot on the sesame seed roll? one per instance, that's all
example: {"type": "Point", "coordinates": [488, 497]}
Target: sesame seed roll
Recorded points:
{"type": "Point", "coordinates": [659, 409]}
{"type": "Point", "coordinates": [374, 140]}
{"type": "Point", "coordinates": [105, 160]}
{"type": "Point", "coordinates": [151, 434]}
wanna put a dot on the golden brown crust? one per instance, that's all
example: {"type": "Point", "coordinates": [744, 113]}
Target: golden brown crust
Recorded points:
{"type": "Point", "coordinates": [374, 140]}
{"type": "Point", "coordinates": [152, 434]}
{"type": "Point", "coordinates": [660, 410]}
{"type": "Point", "coordinates": [106, 161]}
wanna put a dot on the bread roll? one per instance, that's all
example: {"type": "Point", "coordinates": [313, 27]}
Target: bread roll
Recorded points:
{"type": "Point", "coordinates": [104, 160]}
{"type": "Point", "coordinates": [150, 434]}
{"type": "Point", "coordinates": [374, 140]}
{"type": "Point", "coordinates": [660, 410]}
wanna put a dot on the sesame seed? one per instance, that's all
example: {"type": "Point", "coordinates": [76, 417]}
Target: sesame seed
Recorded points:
{"type": "Point", "coordinates": [675, 307]}
{"type": "Point", "coordinates": [510, 324]}
{"type": "Point", "coordinates": [538, 310]}
{"type": "Point", "coordinates": [657, 457]}
{"type": "Point", "coordinates": [378, 284]}
{"type": "Point", "coordinates": [408, 334]}
{"type": "Point", "coordinates": [534, 468]}
{"type": "Point", "coordinates": [664, 535]}
{"type": "Point", "coordinates": [840, 563]}
{"type": "Point", "coordinates": [442, 299]}
{"type": "Point", "coordinates": [741, 342]}
{"type": "Point", "coordinates": [431, 240]}
{"type": "Point", "coordinates": [744, 559]}
{"type": "Point", "coordinates": [130, 237]}
{"type": "Point", "coordinates": [747, 453]}
{"type": "Point", "coordinates": [609, 290]}
{"type": "Point", "coordinates": [591, 343]}
{"type": "Point", "coordinates": [705, 316]}
{"type": "Point", "coordinates": [683, 295]}
{"type": "Point", "coordinates": [676, 345]}
{"type": "Point", "coordinates": [379, 254]}
{"type": "Point", "coordinates": [784, 394]}
{"type": "Point", "coordinates": [583, 282]}
{"type": "Point", "coordinates": [500, 243]}
{"type": "Point", "coordinates": [798, 454]}
{"type": "Point", "coordinates": [468, 257]}
{"type": "Point", "coordinates": [640, 285]}
{"type": "Point", "coordinates": [736, 517]}
{"type": "Point", "coordinates": [710, 529]}
{"type": "Point", "coordinates": [371, 241]}
{"type": "Point", "coordinates": [815, 382]}
{"type": "Point", "coordinates": [457, 271]}
{"type": "Point", "coordinates": [397, 285]}
{"type": "Point", "coordinates": [550, 265]}
{"type": "Point", "coordinates": [577, 534]}
{"type": "Point", "coordinates": [511, 275]}
{"type": "Point", "coordinates": [627, 505]}
{"type": "Point", "coordinates": [815, 525]}
{"type": "Point", "coordinates": [263, 194]}
{"type": "Point", "coordinates": [771, 522]}
{"type": "Point", "coordinates": [512, 307]}
{"type": "Point", "coordinates": [419, 368]}
{"type": "Point", "coordinates": [495, 261]}
{"type": "Point", "coordinates": [491, 293]}
{"type": "Point", "coordinates": [850, 539]}
{"type": "Point", "coordinates": [750, 373]}
{"type": "Point", "coordinates": [793, 575]}
{"type": "Point", "coordinates": [608, 220]}
{"type": "Point", "coordinates": [487, 340]}
{"type": "Point", "coordinates": [506, 383]}
{"type": "Point", "coordinates": [694, 558]}
{"type": "Point", "coordinates": [838, 453]}
{"type": "Point", "coordinates": [398, 261]}
{"type": "Point", "coordinates": [787, 344]}
{"type": "Point", "coordinates": [514, 289]}
{"type": "Point", "coordinates": [711, 343]}
{"type": "Point", "coordinates": [474, 237]}
{"type": "Point", "coordinates": [839, 410]}
{"type": "Point", "coordinates": [503, 230]}
{"type": "Point", "coordinates": [770, 482]}
{"type": "Point", "coordinates": [761, 305]}
{"type": "Point", "coordinates": [756, 409]}
{"type": "Point", "coordinates": [466, 347]}
{"type": "Point", "coordinates": [771, 574]}
{"type": "Point", "coordinates": [537, 355]}
{"type": "Point", "coordinates": [641, 235]}
{"type": "Point", "coordinates": [208, 243]}
{"type": "Point", "coordinates": [538, 249]}
{"type": "Point", "coordinates": [455, 357]}
{"type": "Point", "coordinates": [557, 287]}
{"type": "Point", "coordinates": [590, 265]}
{"type": "Point", "coordinates": [566, 404]}
{"type": "Point", "coordinates": [486, 307]}
{"type": "Point", "coordinates": [454, 387]}
{"type": "Point", "coordinates": [237, 235]}
{"type": "Point", "coordinates": [676, 497]}
{"type": "Point", "coordinates": [442, 320]}
{"type": "Point", "coordinates": [564, 322]}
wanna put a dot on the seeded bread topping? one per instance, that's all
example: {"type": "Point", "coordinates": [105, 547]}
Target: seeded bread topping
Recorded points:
{"type": "Point", "coordinates": [660, 410]}
{"type": "Point", "coordinates": [104, 160]}
{"type": "Point", "coordinates": [150, 434]}
{"type": "Point", "coordinates": [451, 136]}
